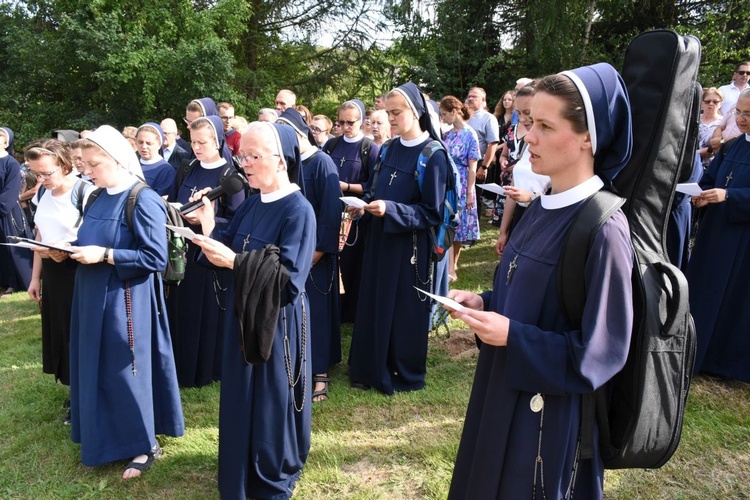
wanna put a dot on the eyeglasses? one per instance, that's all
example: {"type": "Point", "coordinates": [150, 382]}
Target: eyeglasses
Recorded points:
{"type": "Point", "coordinates": [743, 73]}
{"type": "Point", "coordinates": [711, 101]}
{"type": "Point", "coordinates": [316, 130]}
{"type": "Point", "coordinates": [341, 123]}
{"type": "Point", "coordinates": [738, 113]}
{"type": "Point", "coordinates": [226, 118]}
{"type": "Point", "coordinates": [187, 122]}
{"type": "Point", "coordinates": [254, 158]}
{"type": "Point", "coordinates": [47, 175]}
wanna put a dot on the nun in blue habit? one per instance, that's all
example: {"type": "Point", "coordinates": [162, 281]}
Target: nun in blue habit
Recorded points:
{"type": "Point", "coordinates": [158, 174]}
{"type": "Point", "coordinates": [321, 181]}
{"type": "Point", "coordinates": [389, 342]}
{"type": "Point", "coordinates": [720, 263]}
{"type": "Point", "coordinates": [265, 409]}
{"type": "Point", "coordinates": [197, 307]}
{"type": "Point", "coordinates": [522, 425]}
{"type": "Point", "coordinates": [205, 106]}
{"type": "Point", "coordinates": [15, 263]}
{"type": "Point", "coordinates": [123, 385]}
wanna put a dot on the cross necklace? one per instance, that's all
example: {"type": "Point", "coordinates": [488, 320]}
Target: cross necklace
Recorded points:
{"type": "Point", "coordinates": [514, 263]}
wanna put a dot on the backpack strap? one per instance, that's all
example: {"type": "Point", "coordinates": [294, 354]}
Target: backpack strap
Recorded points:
{"type": "Point", "coordinates": [364, 153]}
{"type": "Point", "coordinates": [92, 198]}
{"type": "Point", "coordinates": [78, 196]}
{"type": "Point", "coordinates": [427, 151]}
{"type": "Point", "coordinates": [186, 167]}
{"type": "Point", "coordinates": [376, 170]}
{"type": "Point", "coordinates": [571, 288]}
{"type": "Point", "coordinates": [331, 145]}
{"type": "Point", "coordinates": [132, 201]}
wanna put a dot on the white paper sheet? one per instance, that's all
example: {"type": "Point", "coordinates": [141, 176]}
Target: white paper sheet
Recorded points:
{"type": "Point", "coordinates": [353, 201]}
{"type": "Point", "coordinates": [183, 231]}
{"type": "Point", "coordinates": [493, 188]}
{"type": "Point", "coordinates": [691, 188]}
{"type": "Point", "coordinates": [443, 300]}
{"type": "Point", "coordinates": [33, 244]}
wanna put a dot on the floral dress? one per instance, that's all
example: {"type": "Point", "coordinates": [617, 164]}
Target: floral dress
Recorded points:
{"type": "Point", "coordinates": [463, 147]}
{"type": "Point", "coordinates": [515, 146]}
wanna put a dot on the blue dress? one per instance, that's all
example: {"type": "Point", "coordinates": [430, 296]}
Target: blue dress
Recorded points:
{"type": "Point", "coordinates": [15, 263]}
{"type": "Point", "coordinates": [322, 191]}
{"type": "Point", "coordinates": [159, 176]}
{"type": "Point", "coordinates": [719, 267]}
{"type": "Point", "coordinates": [197, 307]}
{"type": "Point", "coordinates": [463, 147]}
{"type": "Point", "coordinates": [389, 343]}
{"type": "Point", "coordinates": [263, 438]}
{"type": "Point", "coordinates": [116, 413]}
{"type": "Point", "coordinates": [347, 157]}
{"type": "Point", "coordinates": [497, 454]}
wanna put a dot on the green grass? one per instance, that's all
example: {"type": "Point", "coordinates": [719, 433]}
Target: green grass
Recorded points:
{"type": "Point", "coordinates": [364, 446]}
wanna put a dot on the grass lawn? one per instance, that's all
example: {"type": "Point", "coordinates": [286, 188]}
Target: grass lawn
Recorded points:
{"type": "Point", "coordinates": [365, 445]}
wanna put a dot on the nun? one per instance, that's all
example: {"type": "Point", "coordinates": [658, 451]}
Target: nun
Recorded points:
{"type": "Point", "coordinates": [197, 308]}
{"type": "Point", "coordinates": [354, 156]}
{"type": "Point", "coordinates": [522, 426]}
{"type": "Point", "coordinates": [321, 181]}
{"type": "Point", "coordinates": [204, 107]}
{"type": "Point", "coordinates": [158, 174]}
{"type": "Point", "coordinates": [265, 410]}
{"type": "Point", "coordinates": [15, 263]}
{"type": "Point", "coordinates": [389, 342]}
{"type": "Point", "coordinates": [123, 384]}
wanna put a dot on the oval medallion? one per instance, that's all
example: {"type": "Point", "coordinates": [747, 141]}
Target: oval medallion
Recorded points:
{"type": "Point", "coordinates": [537, 403]}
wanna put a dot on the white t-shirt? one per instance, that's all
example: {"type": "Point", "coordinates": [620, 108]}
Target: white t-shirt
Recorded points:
{"type": "Point", "coordinates": [56, 216]}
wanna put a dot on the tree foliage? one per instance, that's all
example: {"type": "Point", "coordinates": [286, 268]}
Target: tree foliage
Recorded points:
{"type": "Point", "coordinates": [80, 63]}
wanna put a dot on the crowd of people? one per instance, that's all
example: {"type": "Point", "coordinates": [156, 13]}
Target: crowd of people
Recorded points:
{"type": "Point", "coordinates": [276, 268]}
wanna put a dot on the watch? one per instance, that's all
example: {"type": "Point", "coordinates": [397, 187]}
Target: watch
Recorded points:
{"type": "Point", "coordinates": [105, 258]}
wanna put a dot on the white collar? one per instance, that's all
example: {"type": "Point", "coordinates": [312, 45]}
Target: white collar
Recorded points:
{"type": "Point", "coordinates": [3, 153]}
{"type": "Point", "coordinates": [740, 89]}
{"type": "Point", "coordinates": [123, 186]}
{"type": "Point", "coordinates": [309, 154]}
{"type": "Point", "coordinates": [572, 195]}
{"type": "Point", "coordinates": [414, 142]}
{"type": "Point", "coordinates": [279, 193]}
{"type": "Point", "coordinates": [216, 164]}
{"type": "Point", "coordinates": [157, 159]}
{"type": "Point", "coordinates": [747, 137]}
{"type": "Point", "coordinates": [354, 139]}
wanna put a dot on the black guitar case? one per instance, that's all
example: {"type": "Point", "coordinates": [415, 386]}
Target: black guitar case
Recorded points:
{"type": "Point", "coordinates": [639, 412]}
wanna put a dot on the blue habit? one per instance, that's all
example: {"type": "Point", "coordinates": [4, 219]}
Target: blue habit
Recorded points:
{"type": "Point", "coordinates": [159, 176]}
{"type": "Point", "coordinates": [719, 267]}
{"type": "Point", "coordinates": [347, 157]}
{"type": "Point", "coordinates": [15, 263]}
{"type": "Point", "coordinates": [322, 191]}
{"type": "Point", "coordinates": [389, 343]}
{"type": "Point", "coordinates": [197, 306]}
{"type": "Point", "coordinates": [498, 449]}
{"type": "Point", "coordinates": [115, 414]}
{"type": "Point", "coordinates": [263, 439]}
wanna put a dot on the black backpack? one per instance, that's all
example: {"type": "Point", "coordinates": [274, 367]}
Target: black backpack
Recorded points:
{"type": "Point", "coordinates": [639, 411]}
{"type": "Point", "coordinates": [174, 273]}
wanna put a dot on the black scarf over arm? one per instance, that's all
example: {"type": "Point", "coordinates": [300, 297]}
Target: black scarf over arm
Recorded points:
{"type": "Point", "coordinates": [259, 280]}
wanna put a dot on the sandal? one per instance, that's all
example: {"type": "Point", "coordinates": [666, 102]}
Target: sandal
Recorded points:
{"type": "Point", "coordinates": [153, 454]}
{"type": "Point", "coordinates": [324, 391]}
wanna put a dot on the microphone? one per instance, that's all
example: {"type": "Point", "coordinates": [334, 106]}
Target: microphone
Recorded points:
{"type": "Point", "coordinates": [229, 186]}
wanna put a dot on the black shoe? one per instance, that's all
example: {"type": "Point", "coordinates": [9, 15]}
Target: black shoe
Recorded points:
{"type": "Point", "coordinates": [359, 386]}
